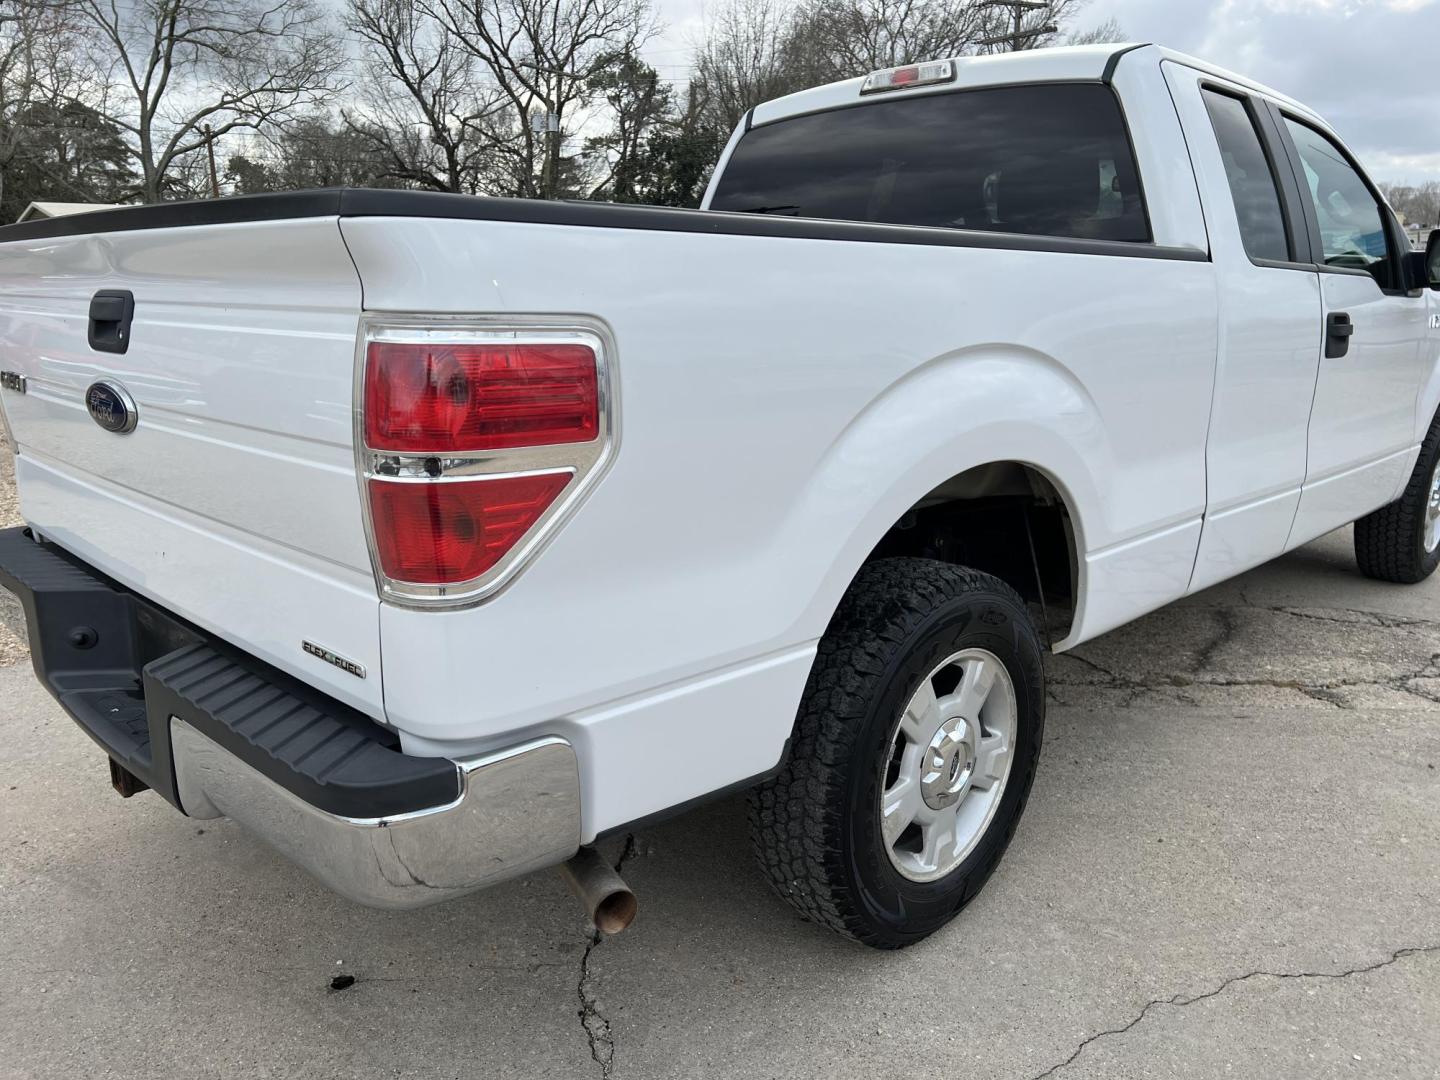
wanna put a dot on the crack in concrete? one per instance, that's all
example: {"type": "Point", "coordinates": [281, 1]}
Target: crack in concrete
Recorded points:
{"type": "Point", "coordinates": [1421, 692]}
{"type": "Point", "coordinates": [1365, 618]}
{"type": "Point", "coordinates": [1367, 615]}
{"type": "Point", "coordinates": [1322, 691]}
{"type": "Point", "coordinates": [1226, 618]}
{"type": "Point", "coordinates": [595, 1023]}
{"type": "Point", "coordinates": [1326, 692]}
{"type": "Point", "coordinates": [1180, 1001]}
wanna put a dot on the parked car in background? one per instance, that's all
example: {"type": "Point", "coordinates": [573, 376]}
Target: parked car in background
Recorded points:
{"type": "Point", "coordinates": [433, 538]}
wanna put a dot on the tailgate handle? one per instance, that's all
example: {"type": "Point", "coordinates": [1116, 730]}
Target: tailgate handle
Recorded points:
{"type": "Point", "coordinates": [110, 313]}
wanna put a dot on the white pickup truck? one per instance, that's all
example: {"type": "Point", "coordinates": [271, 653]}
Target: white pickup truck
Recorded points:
{"type": "Point", "coordinates": [432, 538]}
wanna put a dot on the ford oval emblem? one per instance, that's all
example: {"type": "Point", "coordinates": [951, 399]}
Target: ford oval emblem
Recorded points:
{"type": "Point", "coordinates": [111, 407]}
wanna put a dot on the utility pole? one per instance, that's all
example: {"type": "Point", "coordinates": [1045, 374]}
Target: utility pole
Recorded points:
{"type": "Point", "coordinates": [547, 127]}
{"type": "Point", "coordinates": [552, 153]}
{"type": "Point", "coordinates": [210, 150]}
{"type": "Point", "coordinates": [1019, 38]}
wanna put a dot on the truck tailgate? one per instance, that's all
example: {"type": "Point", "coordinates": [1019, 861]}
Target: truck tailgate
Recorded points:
{"type": "Point", "coordinates": [234, 501]}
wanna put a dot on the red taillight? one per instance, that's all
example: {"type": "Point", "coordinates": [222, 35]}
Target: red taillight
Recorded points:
{"type": "Point", "coordinates": [453, 531]}
{"type": "Point", "coordinates": [454, 398]}
{"type": "Point", "coordinates": [476, 441]}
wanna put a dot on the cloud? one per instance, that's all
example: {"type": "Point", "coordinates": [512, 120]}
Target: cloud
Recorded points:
{"type": "Point", "coordinates": [1415, 166]}
{"type": "Point", "coordinates": [1364, 65]}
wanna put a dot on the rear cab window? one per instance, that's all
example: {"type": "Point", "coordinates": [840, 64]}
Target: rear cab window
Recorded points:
{"type": "Point", "coordinates": [1043, 160]}
{"type": "Point", "coordinates": [1253, 189]}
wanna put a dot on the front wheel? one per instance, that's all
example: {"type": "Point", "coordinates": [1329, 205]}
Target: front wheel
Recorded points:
{"type": "Point", "coordinates": [1401, 542]}
{"type": "Point", "coordinates": [913, 753]}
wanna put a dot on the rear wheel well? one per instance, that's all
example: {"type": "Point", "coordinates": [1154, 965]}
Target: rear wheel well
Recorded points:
{"type": "Point", "coordinates": [1005, 518]}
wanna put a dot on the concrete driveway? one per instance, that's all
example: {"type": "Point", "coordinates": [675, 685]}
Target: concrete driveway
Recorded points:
{"type": "Point", "coordinates": [1230, 867]}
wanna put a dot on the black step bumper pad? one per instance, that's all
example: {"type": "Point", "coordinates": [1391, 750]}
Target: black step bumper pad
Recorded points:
{"type": "Point", "coordinates": [122, 667]}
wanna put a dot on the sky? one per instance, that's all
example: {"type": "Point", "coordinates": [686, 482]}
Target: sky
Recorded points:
{"type": "Point", "coordinates": [1368, 66]}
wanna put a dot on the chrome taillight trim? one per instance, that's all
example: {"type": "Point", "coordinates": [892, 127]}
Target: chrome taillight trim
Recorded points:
{"type": "Point", "coordinates": [390, 465]}
{"type": "Point", "coordinates": [587, 461]}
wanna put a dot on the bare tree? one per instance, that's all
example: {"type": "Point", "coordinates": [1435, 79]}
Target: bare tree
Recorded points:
{"type": "Point", "coordinates": [543, 56]}
{"type": "Point", "coordinates": [1106, 33]}
{"type": "Point", "coordinates": [755, 50]}
{"type": "Point", "coordinates": [37, 75]}
{"type": "Point", "coordinates": [749, 54]}
{"type": "Point", "coordinates": [1419, 204]}
{"type": "Point", "coordinates": [180, 74]}
{"type": "Point", "coordinates": [19, 78]}
{"type": "Point", "coordinates": [845, 38]}
{"type": "Point", "coordinates": [428, 106]}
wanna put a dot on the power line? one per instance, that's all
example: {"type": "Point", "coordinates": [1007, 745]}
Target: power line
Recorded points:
{"type": "Point", "coordinates": [1019, 37]}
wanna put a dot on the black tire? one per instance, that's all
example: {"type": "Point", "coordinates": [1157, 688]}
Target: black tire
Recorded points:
{"type": "Point", "coordinates": [815, 825]}
{"type": "Point", "coordinates": [1390, 543]}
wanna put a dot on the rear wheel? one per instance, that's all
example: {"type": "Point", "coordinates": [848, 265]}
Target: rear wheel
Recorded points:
{"type": "Point", "coordinates": [913, 753]}
{"type": "Point", "coordinates": [1401, 542]}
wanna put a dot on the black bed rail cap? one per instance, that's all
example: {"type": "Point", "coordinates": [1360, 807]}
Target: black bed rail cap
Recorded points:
{"type": "Point", "coordinates": [382, 202]}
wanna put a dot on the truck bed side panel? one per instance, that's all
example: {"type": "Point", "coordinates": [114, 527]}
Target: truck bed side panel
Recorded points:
{"type": "Point", "coordinates": [782, 401]}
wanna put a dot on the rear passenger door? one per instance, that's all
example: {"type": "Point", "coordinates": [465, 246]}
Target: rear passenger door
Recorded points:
{"type": "Point", "coordinates": [1362, 425]}
{"type": "Point", "coordinates": [1269, 325]}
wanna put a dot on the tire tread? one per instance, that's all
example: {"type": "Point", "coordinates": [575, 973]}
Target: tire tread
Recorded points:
{"type": "Point", "coordinates": [796, 818]}
{"type": "Point", "coordinates": [1386, 541]}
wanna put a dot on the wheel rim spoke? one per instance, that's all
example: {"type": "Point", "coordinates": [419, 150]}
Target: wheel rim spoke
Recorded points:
{"type": "Point", "coordinates": [921, 715]}
{"type": "Point", "coordinates": [939, 842]}
{"type": "Point", "coordinates": [1432, 513]}
{"type": "Point", "coordinates": [992, 762]}
{"type": "Point", "coordinates": [902, 805]}
{"type": "Point", "coordinates": [975, 687]}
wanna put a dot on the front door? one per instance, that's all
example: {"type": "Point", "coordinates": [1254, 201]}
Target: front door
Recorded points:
{"type": "Point", "coordinates": [1362, 424]}
{"type": "Point", "coordinates": [1270, 334]}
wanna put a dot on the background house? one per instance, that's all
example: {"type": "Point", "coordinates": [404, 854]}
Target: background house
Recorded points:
{"type": "Point", "coordinates": [37, 210]}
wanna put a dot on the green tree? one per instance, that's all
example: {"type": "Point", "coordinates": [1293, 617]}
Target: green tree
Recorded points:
{"type": "Point", "coordinates": [640, 107]}
{"type": "Point", "coordinates": [247, 175]}
{"type": "Point", "coordinates": [68, 153]}
{"type": "Point", "coordinates": [310, 152]}
{"type": "Point", "coordinates": [682, 153]}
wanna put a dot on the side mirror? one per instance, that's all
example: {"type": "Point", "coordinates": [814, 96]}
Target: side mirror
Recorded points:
{"type": "Point", "coordinates": [1432, 259]}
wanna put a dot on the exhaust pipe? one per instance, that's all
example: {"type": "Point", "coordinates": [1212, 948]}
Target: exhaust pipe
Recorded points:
{"type": "Point", "coordinates": [607, 899]}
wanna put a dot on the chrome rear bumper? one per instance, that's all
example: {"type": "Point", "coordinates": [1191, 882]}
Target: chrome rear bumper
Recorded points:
{"type": "Point", "coordinates": [215, 731]}
{"type": "Point", "coordinates": [518, 810]}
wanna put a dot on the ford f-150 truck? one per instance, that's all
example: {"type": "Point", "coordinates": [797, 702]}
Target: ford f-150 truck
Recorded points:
{"type": "Point", "coordinates": [432, 538]}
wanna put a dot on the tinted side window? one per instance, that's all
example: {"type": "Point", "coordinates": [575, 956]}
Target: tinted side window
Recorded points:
{"type": "Point", "coordinates": [1352, 229]}
{"type": "Point", "coordinates": [1252, 184]}
{"type": "Point", "coordinates": [1047, 160]}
